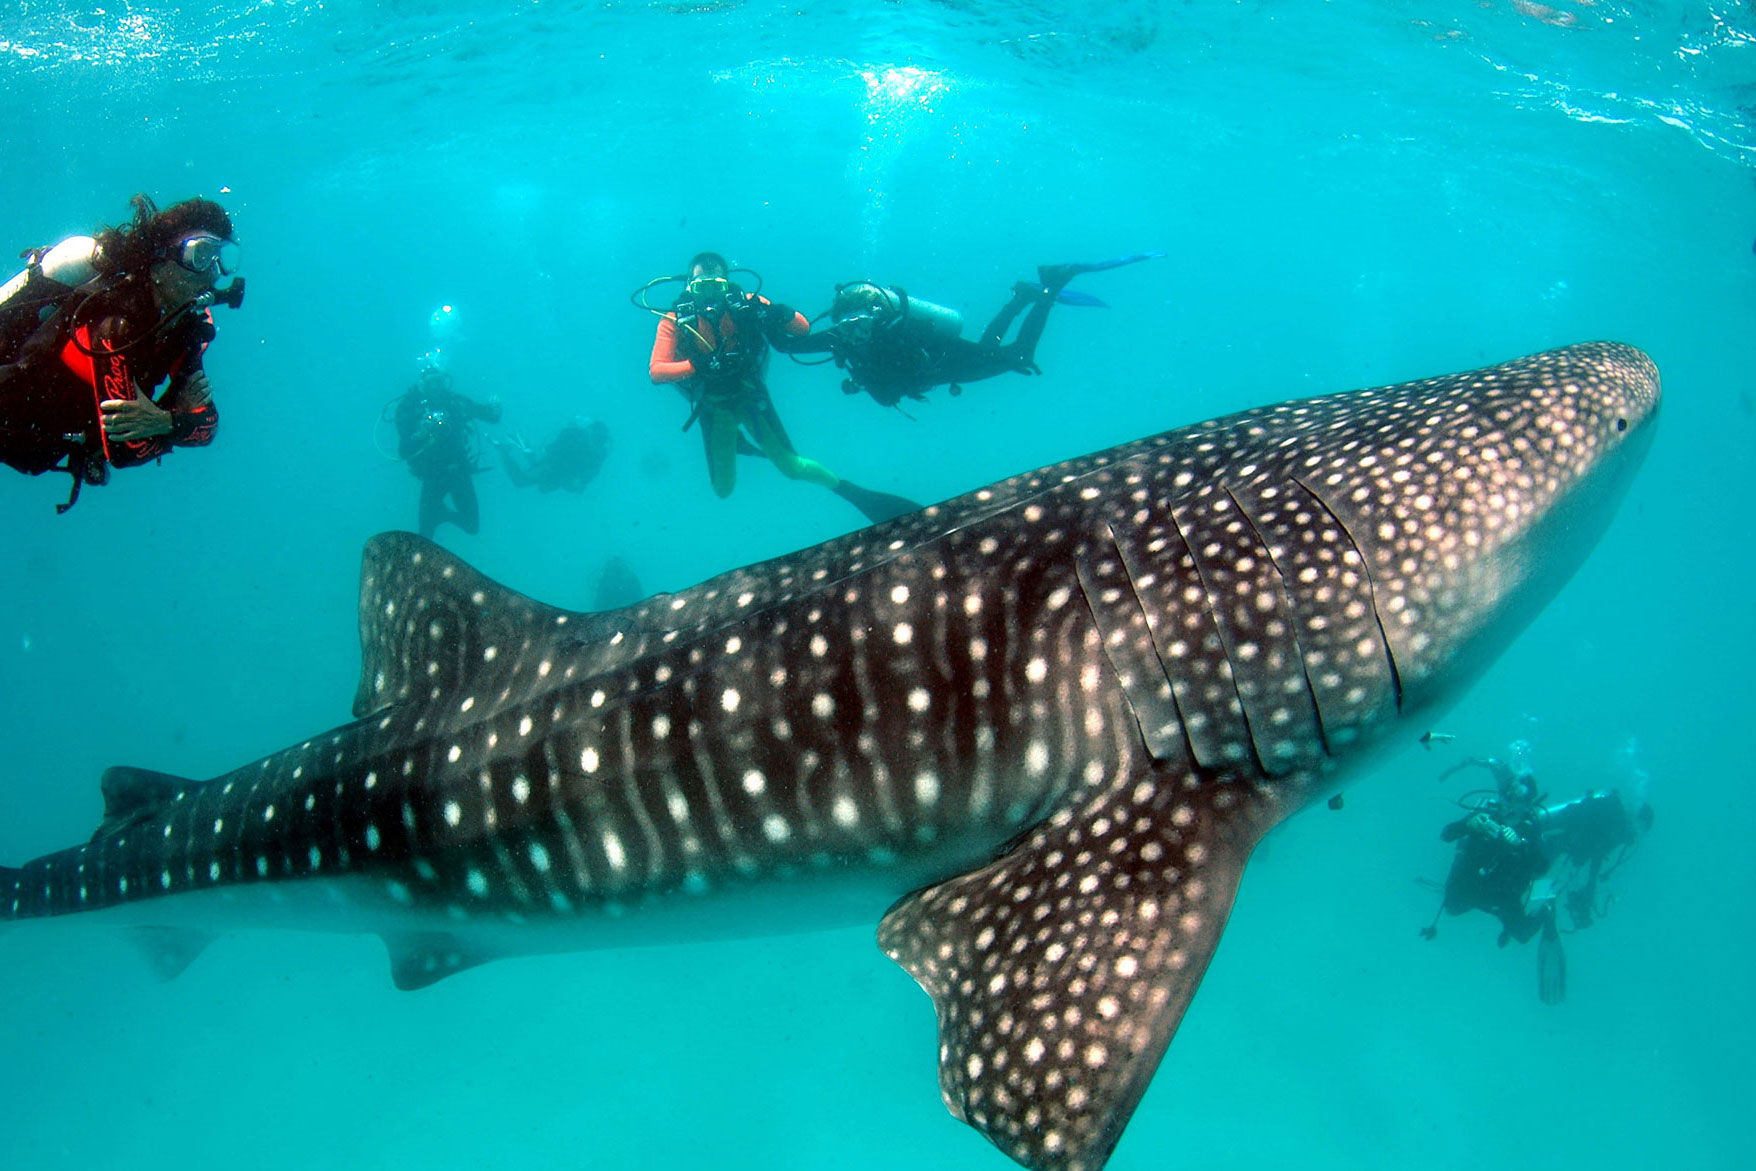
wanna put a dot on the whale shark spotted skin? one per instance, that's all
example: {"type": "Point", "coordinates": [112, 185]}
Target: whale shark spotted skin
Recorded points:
{"type": "Point", "coordinates": [1044, 724]}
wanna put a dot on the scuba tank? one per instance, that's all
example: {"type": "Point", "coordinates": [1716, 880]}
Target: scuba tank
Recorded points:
{"type": "Point", "coordinates": [893, 309]}
{"type": "Point", "coordinates": [68, 263]}
{"type": "Point", "coordinates": [25, 302]}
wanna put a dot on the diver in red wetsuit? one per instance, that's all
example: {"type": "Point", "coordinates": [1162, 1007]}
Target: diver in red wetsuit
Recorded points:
{"type": "Point", "coordinates": [94, 325]}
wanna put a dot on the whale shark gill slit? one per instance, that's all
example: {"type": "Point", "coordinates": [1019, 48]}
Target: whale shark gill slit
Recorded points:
{"type": "Point", "coordinates": [1292, 674]}
{"type": "Point", "coordinates": [1365, 564]}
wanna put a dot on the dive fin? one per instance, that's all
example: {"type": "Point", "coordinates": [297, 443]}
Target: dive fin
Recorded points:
{"type": "Point", "coordinates": [1075, 297]}
{"type": "Point", "coordinates": [1551, 965]}
{"type": "Point", "coordinates": [134, 795]}
{"type": "Point", "coordinates": [1056, 275]}
{"type": "Point", "coordinates": [169, 950]}
{"type": "Point", "coordinates": [1060, 970]}
{"type": "Point", "coordinates": [422, 958]}
{"type": "Point", "coordinates": [878, 507]}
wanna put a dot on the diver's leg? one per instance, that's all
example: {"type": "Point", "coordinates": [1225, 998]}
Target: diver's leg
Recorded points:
{"type": "Point", "coordinates": [719, 440]}
{"type": "Point", "coordinates": [771, 436]}
{"type": "Point", "coordinates": [467, 510]}
{"type": "Point", "coordinates": [1022, 294]}
{"type": "Point", "coordinates": [432, 506]}
{"type": "Point", "coordinates": [874, 506]}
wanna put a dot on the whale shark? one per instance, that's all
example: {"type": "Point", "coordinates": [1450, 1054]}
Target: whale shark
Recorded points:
{"type": "Point", "coordinates": [1034, 732]}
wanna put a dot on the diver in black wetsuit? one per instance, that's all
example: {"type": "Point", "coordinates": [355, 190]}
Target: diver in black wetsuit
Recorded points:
{"type": "Point", "coordinates": [435, 437]}
{"type": "Point", "coordinates": [1499, 855]}
{"type": "Point", "coordinates": [1590, 835]}
{"type": "Point", "coordinates": [570, 461]}
{"type": "Point", "coordinates": [895, 346]}
{"type": "Point", "coordinates": [1517, 859]}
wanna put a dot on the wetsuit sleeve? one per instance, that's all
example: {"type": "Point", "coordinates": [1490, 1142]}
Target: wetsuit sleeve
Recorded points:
{"type": "Point", "coordinates": [191, 426]}
{"type": "Point", "coordinates": [665, 366]}
{"type": "Point", "coordinates": [486, 412]}
{"type": "Point", "coordinates": [822, 342]}
{"type": "Point", "coordinates": [194, 426]}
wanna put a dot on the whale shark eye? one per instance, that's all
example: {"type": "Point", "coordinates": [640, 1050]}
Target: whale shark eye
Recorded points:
{"type": "Point", "coordinates": [1621, 424]}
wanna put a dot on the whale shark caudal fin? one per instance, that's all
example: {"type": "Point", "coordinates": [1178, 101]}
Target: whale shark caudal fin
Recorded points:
{"type": "Point", "coordinates": [1060, 970]}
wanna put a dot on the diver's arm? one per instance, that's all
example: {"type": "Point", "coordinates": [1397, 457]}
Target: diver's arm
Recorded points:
{"type": "Point", "coordinates": [189, 396]}
{"type": "Point", "coordinates": [822, 342]}
{"type": "Point", "coordinates": [664, 365]}
{"type": "Point", "coordinates": [194, 418]}
{"type": "Point", "coordinates": [487, 412]}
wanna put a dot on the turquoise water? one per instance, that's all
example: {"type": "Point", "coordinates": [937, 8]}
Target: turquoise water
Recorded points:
{"type": "Point", "coordinates": [1349, 193]}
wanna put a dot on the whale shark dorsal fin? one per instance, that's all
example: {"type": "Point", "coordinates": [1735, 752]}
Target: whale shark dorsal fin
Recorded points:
{"type": "Point", "coordinates": [1061, 969]}
{"type": "Point", "coordinates": [430, 625]}
{"type": "Point", "coordinates": [133, 795]}
{"type": "Point", "coordinates": [422, 958]}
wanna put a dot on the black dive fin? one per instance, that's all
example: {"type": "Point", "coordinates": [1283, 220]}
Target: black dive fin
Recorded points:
{"type": "Point", "coordinates": [134, 795]}
{"type": "Point", "coordinates": [168, 950]}
{"type": "Point", "coordinates": [1551, 966]}
{"type": "Point", "coordinates": [877, 506]}
{"type": "Point", "coordinates": [1061, 970]}
{"type": "Point", "coordinates": [421, 958]}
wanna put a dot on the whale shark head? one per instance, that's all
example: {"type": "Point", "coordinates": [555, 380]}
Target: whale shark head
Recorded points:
{"type": "Point", "coordinates": [1481, 493]}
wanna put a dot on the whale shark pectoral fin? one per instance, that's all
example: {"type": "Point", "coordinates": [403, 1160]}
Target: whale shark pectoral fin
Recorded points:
{"type": "Point", "coordinates": [169, 950]}
{"type": "Point", "coordinates": [421, 958]}
{"type": "Point", "coordinates": [1061, 970]}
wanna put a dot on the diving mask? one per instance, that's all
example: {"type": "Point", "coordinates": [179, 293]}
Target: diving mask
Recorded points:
{"type": "Point", "coordinates": [207, 255]}
{"type": "Point", "coordinates": [709, 288]}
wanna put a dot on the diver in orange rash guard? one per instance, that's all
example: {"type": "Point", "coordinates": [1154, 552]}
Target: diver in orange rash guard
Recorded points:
{"type": "Point", "coordinates": [714, 344]}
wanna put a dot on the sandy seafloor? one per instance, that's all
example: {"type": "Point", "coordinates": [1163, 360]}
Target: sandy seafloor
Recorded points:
{"type": "Point", "coordinates": [1349, 194]}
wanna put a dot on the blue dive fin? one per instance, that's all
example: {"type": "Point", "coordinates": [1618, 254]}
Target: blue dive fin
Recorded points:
{"type": "Point", "coordinates": [1074, 268]}
{"type": "Point", "coordinates": [1075, 297]}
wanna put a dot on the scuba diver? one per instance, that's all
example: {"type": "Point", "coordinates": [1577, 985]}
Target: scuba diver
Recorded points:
{"type": "Point", "coordinates": [1499, 852]}
{"type": "Point", "coordinates": [1589, 837]}
{"type": "Point", "coordinates": [93, 324]}
{"type": "Point", "coordinates": [713, 345]}
{"type": "Point", "coordinates": [895, 346]}
{"type": "Point", "coordinates": [570, 461]}
{"type": "Point", "coordinates": [1520, 860]}
{"type": "Point", "coordinates": [435, 436]}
